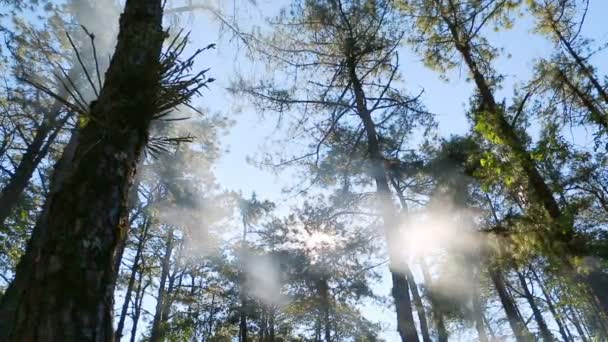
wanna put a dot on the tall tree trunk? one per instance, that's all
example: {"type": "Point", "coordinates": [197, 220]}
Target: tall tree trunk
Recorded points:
{"type": "Point", "coordinates": [478, 315]}
{"type": "Point", "coordinates": [64, 285]}
{"type": "Point", "coordinates": [137, 303]}
{"type": "Point", "coordinates": [558, 320]}
{"type": "Point", "coordinates": [438, 320]}
{"type": "Point", "coordinates": [157, 323]}
{"type": "Point", "coordinates": [36, 151]}
{"type": "Point", "coordinates": [485, 321]}
{"type": "Point", "coordinates": [134, 268]}
{"type": "Point", "coordinates": [323, 290]}
{"type": "Point", "coordinates": [400, 291]}
{"type": "Point", "coordinates": [580, 62]}
{"type": "Point", "coordinates": [577, 324]}
{"type": "Point", "coordinates": [522, 334]}
{"type": "Point", "coordinates": [539, 192]}
{"type": "Point", "coordinates": [271, 324]}
{"type": "Point", "coordinates": [242, 292]}
{"type": "Point", "coordinates": [538, 316]}
{"type": "Point", "coordinates": [424, 326]}
{"type": "Point", "coordinates": [132, 203]}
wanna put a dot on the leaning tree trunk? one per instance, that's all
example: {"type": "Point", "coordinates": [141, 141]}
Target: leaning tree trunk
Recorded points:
{"type": "Point", "coordinates": [539, 192]}
{"type": "Point", "coordinates": [64, 286]}
{"type": "Point", "coordinates": [538, 315]}
{"type": "Point", "coordinates": [38, 149]}
{"type": "Point", "coordinates": [424, 326]}
{"type": "Point", "coordinates": [400, 292]}
{"type": "Point", "coordinates": [522, 334]}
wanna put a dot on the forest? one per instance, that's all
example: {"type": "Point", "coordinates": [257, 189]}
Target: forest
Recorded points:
{"type": "Point", "coordinates": [303, 170]}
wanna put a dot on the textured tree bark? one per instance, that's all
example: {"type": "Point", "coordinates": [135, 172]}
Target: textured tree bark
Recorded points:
{"type": "Point", "coordinates": [64, 285]}
{"type": "Point", "coordinates": [522, 334]}
{"type": "Point", "coordinates": [271, 323]}
{"type": "Point", "coordinates": [538, 316]}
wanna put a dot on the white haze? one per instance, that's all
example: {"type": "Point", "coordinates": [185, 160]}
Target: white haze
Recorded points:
{"type": "Point", "coordinates": [433, 234]}
{"type": "Point", "coordinates": [442, 237]}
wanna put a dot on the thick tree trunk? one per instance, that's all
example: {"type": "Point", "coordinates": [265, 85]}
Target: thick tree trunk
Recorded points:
{"type": "Point", "coordinates": [522, 334]}
{"type": "Point", "coordinates": [64, 285]}
{"type": "Point", "coordinates": [134, 269]}
{"type": "Point", "coordinates": [538, 316]}
{"type": "Point", "coordinates": [157, 323]}
{"type": "Point", "coordinates": [323, 290]}
{"type": "Point", "coordinates": [400, 292]}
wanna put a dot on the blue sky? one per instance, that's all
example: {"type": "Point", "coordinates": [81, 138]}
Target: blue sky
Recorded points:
{"type": "Point", "coordinates": [250, 135]}
{"type": "Point", "coordinates": [447, 100]}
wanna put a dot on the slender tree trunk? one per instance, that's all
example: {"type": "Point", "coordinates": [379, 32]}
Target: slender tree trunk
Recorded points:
{"type": "Point", "coordinates": [478, 317]}
{"type": "Point", "coordinates": [64, 285]}
{"type": "Point", "coordinates": [242, 292]}
{"type": "Point", "coordinates": [538, 316]}
{"type": "Point", "coordinates": [424, 326]}
{"type": "Point", "coordinates": [485, 321]}
{"type": "Point", "coordinates": [598, 115]}
{"type": "Point", "coordinates": [271, 323]}
{"type": "Point", "coordinates": [38, 149]}
{"type": "Point", "coordinates": [134, 268]}
{"type": "Point", "coordinates": [549, 301]}
{"type": "Point", "coordinates": [400, 291]}
{"type": "Point", "coordinates": [438, 320]}
{"type": "Point", "coordinates": [577, 324]}
{"type": "Point", "coordinates": [137, 303]}
{"type": "Point", "coordinates": [522, 334]}
{"type": "Point", "coordinates": [582, 65]}
{"type": "Point", "coordinates": [157, 323]}
{"type": "Point", "coordinates": [539, 191]}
